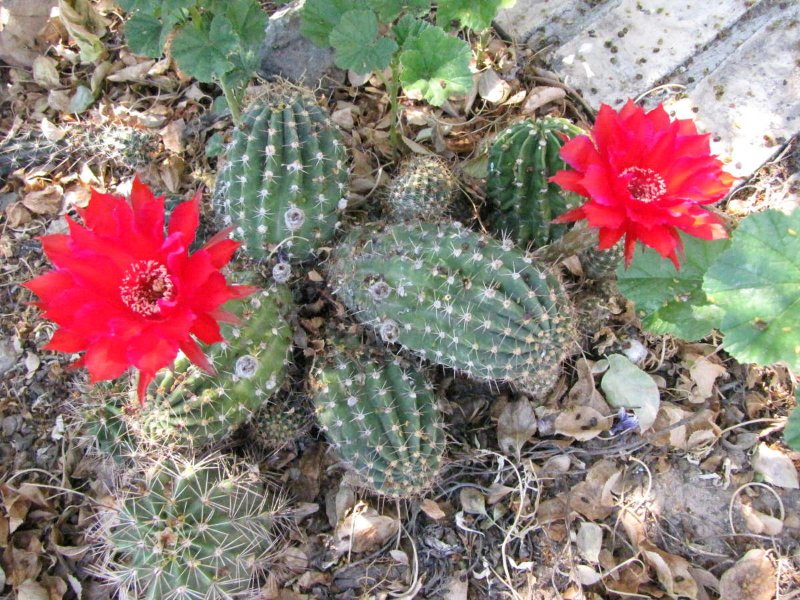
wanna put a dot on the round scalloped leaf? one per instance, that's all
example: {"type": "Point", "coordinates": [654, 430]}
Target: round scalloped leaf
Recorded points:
{"type": "Point", "coordinates": [436, 65]}
{"type": "Point", "coordinates": [408, 28]}
{"type": "Point", "coordinates": [389, 10]}
{"type": "Point", "coordinates": [756, 282]}
{"type": "Point", "coordinates": [319, 17]}
{"type": "Point", "coordinates": [474, 14]}
{"type": "Point", "coordinates": [358, 46]}
{"type": "Point", "coordinates": [672, 301]}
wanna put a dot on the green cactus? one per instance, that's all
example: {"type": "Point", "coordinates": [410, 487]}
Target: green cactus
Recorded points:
{"type": "Point", "coordinates": [284, 182]}
{"type": "Point", "coordinates": [381, 415]}
{"type": "Point", "coordinates": [279, 422]}
{"type": "Point", "coordinates": [423, 190]}
{"type": "Point", "coordinates": [458, 299]}
{"type": "Point", "coordinates": [601, 264]}
{"type": "Point", "coordinates": [190, 531]}
{"type": "Point", "coordinates": [116, 144]}
{"type": "Point", "coordinates": [521, 199]}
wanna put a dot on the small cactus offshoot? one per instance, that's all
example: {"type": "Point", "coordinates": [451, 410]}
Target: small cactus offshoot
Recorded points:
{"type": "Point", "coordinates": [284, 181]}
{"type": "Point", "coordinates": [279, 422]}
{"type": "Point", "coordinates": [522, 200]}
{"type": "Point", "coordinates": [382, 417]}
{"type": "Point", "coordinates": [459, 299]}
{"type": "Point", "coordinates": [190, 531]}
{"type": "Point", "coordinates": [601, 264]}
{"type": "Point", "coordinates": [423, 190]}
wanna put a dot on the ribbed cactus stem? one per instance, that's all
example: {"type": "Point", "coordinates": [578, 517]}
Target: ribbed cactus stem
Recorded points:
{"type": "Point", "coordinates": [382, 417]}
{"type": "Point", "coordinates": [459, 299]}
{"type": "Point", "coordinates": [283, 185]}
{"type": "Point", "coordinates": [522, 200]}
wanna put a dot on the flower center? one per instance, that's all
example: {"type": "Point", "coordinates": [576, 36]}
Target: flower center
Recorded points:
{"type": "Point", "coordinates": [645, 185]}
{"type": "Point", "coordinates": [145, 283]}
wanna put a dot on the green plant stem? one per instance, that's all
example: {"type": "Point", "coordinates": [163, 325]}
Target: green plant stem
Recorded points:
{"type": "Point", "coordinates": [393, 90]}
{"type": "Point", "coordinates": [233, 102]}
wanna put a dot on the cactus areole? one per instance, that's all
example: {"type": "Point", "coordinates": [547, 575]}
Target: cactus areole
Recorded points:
{"type": "Point", "coordinates": [284, 181]}
{"type": "Point", "coordinates": [458, 299]}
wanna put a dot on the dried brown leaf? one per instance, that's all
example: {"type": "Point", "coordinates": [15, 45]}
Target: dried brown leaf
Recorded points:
{"type": "Point", "coordinates": [45, 72]}
{"type": "Point", "coordinates": [432, 509]}
{"type": "Point", "coordinates": [515, 426]}
{"type": "Point", "coordinates": [472, 501]}
{"type": "Point", "coordinates": [44, 202]}
{"type": "Point", "coordinates": [136, 73]}
{"type": "Point", "coordinates": [581, 422]}
{"type": "Point", "coordinates": [539, 96]}
{"type": "Point", "coordinates": [365, 530]}
{"type": "Point", "coordinates": [492, 88]}
{"type": "Point", "coordinates": [31, 590]}
{"type": "Point", "coordinates": [23, 21]}
{"type": "Point", "coordinates": [590, 541]}
{"type": "Point", "coordinates": [776, 467]}
{"type": "Point", "coordinates": [752, 577]}
{"type": "Point", "coordinates": [672, 571]}
{"type": "Point", "coordinates": [17, 215]}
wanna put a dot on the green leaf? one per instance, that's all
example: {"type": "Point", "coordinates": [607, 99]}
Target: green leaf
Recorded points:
{"type": "Point", "coordinates": [409, 28]}
{"type": "Point", "coordinates": [195, 54]}
{"type": "Point", "coordinates": [475, 14]}
{"type": "Point", "coordinates": [319, 17]}
{"type": "Point", "coordinates": [215, 145]}
{"type": "Point", "coordinates": [358, 45]}
{"type": "Point", "coordinates": [756, 282]}
{"type": "Point", "coordinates": [389, 10]}
{"type": "Point", "coordinates": [436, 65]}
{"type": "Point", "coordinates": [81, 100]}
{"type": "Point", "coordinates": [146, 6]}
{"type": "Point", "coordinates": [626, 385]}
{"type": "Point", "coordinates": [222, 36]}
{"type": "Point", "coordinates": [143, 33]}
{"type": "Point", "coordinates": [248, 21]}
{"type": "Point", "coordinates": [177, 7]}
{"type": "Point", "coordinates": [673, 301]}
{"type": "Point", "coordinates": [791, 433]}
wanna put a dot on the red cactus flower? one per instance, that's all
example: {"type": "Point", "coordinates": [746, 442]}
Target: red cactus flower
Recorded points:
{"type": "Point", "coordinates": [645, 177]}
{"type": "Point", "coordinates": [130, 295]}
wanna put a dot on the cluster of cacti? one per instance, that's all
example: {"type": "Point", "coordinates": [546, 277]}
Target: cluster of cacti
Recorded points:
{"type": "Point", "coordinates": [522, 200]}
{"type": "Point", "coordinates": [458, 299]}
{"type": "Point", "coordinates": [283, 185]}
{"type": "Point", "coordinates": [190, 530]}
{"type": "Point", "coordinates": [423, 190]}
{"type": "Point", "coordinates": [433, 289]}
{"type": "Point", "coordinates": [109, 144]}
{"type": "Point", "coordinates": [381, 415]}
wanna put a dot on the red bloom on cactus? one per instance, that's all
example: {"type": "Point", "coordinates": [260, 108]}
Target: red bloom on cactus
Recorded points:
{"type": "Point", "coordinates": [130, 295]}
{"type": "Point", "coordinates": [646, 177]}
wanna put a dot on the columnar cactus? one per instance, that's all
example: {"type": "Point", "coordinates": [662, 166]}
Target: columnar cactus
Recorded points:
{"type": "Point", "coordinates": [459, 299]}
{"type": "Point", "coordinates": [186, 407]}
{"type": "Point", "coordinates": [285, 177]}
{"type": "Point", "coordinates": [522, 200]}
{"type": "Point", "coordinates": [423, 189]}
{"type": "Point", "coordinates": [382, 417]}
{"type": "Point", "coordinates": [190, 531]}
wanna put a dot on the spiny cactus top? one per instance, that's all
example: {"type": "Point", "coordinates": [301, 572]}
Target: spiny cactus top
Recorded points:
{"type": "Point", "coordinates": [382, 417]}
{"type": "Point", "coordinates": [285, 178]}
{"type": "Point", "coordinates": [192, 531]}
{"type": "Point", "coordinates": [459, 299]}
{"type": "Point", "coordinates": [423, 189]}
{"type": "Point", "coordinates": [522, 200]}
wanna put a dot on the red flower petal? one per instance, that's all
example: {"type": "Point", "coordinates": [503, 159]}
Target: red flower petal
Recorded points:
{"type": "Point", "coordinates": [185, 218]}
{"type": "Point", "coordinates": [195, 354]}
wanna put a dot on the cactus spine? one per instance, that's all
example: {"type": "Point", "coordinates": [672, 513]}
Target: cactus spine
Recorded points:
{"type": "Point", "coordinates": [522, 200]}
{"type": "Point", "coordinates": [381, 416]}
{"type": "Point", "coordinates": [423, 189]}
{"type": "Point", "coordinates": [284, 182]}
{"type": "Point", "coordinates": [187, 408]}
{"type": "Point", "coordinates": [193, 532]}
{"type": "Point", "coordinates": [458, 299]}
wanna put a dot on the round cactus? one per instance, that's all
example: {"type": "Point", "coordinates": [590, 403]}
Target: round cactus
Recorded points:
{"type": "Point", "coordinates": [285, 177]}
{"type": "Point", "coordinates": [279, 422]}
{"type": "Point", "coordinates": [521, 199]}
{"type": "Point", "coordinates": [423, 190]}
{"type": "Point", "coordinates": [458, 299]}
{"type": "Point", "coordinates": [190, 531]}
{"type": "Point", "coordinates": [601, 264]}
{"type": "Point", "coordinates": [381, 416]}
